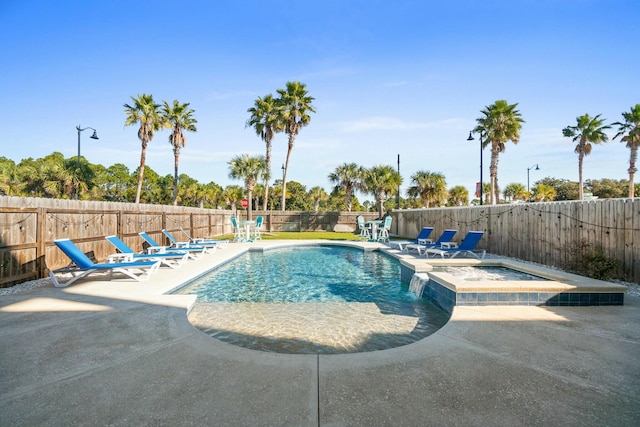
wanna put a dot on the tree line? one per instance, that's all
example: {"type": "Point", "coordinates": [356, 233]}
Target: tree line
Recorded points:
{"type": "Point", "coordinates": [288, 112]}
{"type": "Point", "coordinates": [53, 176]}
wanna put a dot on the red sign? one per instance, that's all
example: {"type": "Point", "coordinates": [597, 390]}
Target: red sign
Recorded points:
{"type": "Point", "coordinates": [478, 189]}
{"type": "Point", "coordinates": [245, 203]}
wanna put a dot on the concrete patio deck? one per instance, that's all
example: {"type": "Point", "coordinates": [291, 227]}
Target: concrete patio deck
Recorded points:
{"type": "Point", "coordinates": [122, 353]}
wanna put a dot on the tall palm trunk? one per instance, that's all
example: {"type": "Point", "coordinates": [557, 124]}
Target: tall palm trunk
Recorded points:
{"type": "Point", "coordinates": [580, 188]}
{"type": "Point", "coordinates": [380, 203]}
{"type": "Point", "coordinates": [493, 171]}
{"type": "Point", "coordinates": [349, 199]}
{"type": "Point", "coordinates": [267, 175]}
{"type": "Point", "coordinates": [143, 159]}
{"type": "Point", "coordinates": [633, 157]}
{"type": "Point", "coordinates": [249, 205]}
{"type": "Point", "coordinates": [176, 158]}
{"type": "Point", "coordinates": [286, 169]}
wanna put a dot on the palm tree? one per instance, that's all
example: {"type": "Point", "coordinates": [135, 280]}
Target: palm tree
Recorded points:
{"type": "Point", "coordinates": [381, 181]}
{"type": "Point", "coordinates": [515, 191]}
{"type": "Point", "coordinates": [145, 112]}
{"type": "Point", "coordinates": [258, 189]}
{"type": "Point", "coordinates": [501, 123]}
{"type": "Point", "coordinates": [71, 176]}
{"type": "Point", "coordinates": [543, 193]}
{"type": "Point", "coordinates": [486, 191]}
{"type": "Point", "coordinates": [10, 183]}
{"type": "Point", "coordinates": [265, 119]}
{"type": "Point", "coordinates": [348, 177]}
{"type": "Point", "coordinates": [210, 194]}
{"type": "Point", "coordinates": [178, 117]}
{"type": "Point", "coordinates": [317, 194]}
{"type": "Point", "coordinates": [250, 169]}
{"type": "Point", "coordinates": [233, 195]}
{"type": "Point", "coordinates": [458, 196]}
{"type": "Point", "coordinates": [431, 187]}
{"type": "Point", "coordinates": [587, 131]}
{"type": "Point", "coordinates": [630, 127]}
{"type": "Point", "coordinates": [295, 106]}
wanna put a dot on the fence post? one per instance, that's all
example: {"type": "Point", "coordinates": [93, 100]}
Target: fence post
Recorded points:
{"type": "Point", "coordinates": [41, 244]}
{"type": "Point", "coordinates": [119, 224]}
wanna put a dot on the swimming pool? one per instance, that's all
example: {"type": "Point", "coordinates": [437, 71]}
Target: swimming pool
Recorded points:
{"type": "Point", "coordinates": [321, 299]}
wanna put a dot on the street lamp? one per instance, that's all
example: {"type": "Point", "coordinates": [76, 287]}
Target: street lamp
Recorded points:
{"type": "Point", "coordinates": [398, 195]}
{"type": "Point", "coordinates": [94, 136]}
{"type": "Point", "coordinates": [528, 169]}
{"type": "Point", "coordinates": [471, 138]}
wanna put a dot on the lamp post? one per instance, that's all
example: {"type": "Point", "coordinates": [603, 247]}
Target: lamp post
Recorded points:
{"type": "Point", "coordinates": [528, 169]}
{"type": "Point", "coordinates": [398, 195]}
{"type": "Point", "coordinates": [471, 138]}
{"type": "Point", "coordinates": [94, 136]}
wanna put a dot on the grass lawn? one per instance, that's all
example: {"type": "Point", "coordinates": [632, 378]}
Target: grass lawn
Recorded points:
{"type": "Point", "coordinates": [305, 235]}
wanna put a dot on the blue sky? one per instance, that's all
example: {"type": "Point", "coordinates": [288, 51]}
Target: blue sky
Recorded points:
{"type": "Point", "coordinates": [388, 78]}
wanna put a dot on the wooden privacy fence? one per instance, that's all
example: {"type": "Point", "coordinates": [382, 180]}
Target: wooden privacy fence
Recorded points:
{"type": "Point", "coordinates": [547, 233]}
{"type": "Point", "coordinates": [28, 227]}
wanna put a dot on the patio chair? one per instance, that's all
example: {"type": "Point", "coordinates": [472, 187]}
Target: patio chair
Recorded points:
{"type": "Point", "coordinates": [467, 245]}
{"type": "Point", "coordinates": [173, 259]}
{"type": "Point", "coordinates": [210, 247]}
{"type": "Point", "coordinates": [365, 232]}
{"type": "Point", "coordinates": [257, 229]}
{"type": "Point", "coordinates": [83, 266]}
{"type": "Point", "coordinates": [238, 234]}
{"type": "Point", "coordinates": [383, 233]}
{"type": "Point", "coordinates": [154, 247]}
{"type": "Point", "coordinates": [446, 236]}
{"type": "Point", "coordinates": [220, 243]}
{"type": "Point", "coordinates": [423, 237]}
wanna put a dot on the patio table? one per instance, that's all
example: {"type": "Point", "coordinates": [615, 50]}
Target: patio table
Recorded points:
{"type": "Point", "coordinates": [248, 223]}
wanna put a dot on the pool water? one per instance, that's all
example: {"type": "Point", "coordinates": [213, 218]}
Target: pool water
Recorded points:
{"type": "Point", "coordinates": [312, 299]}
{"type": "Point", "coordinates": [498, 273]}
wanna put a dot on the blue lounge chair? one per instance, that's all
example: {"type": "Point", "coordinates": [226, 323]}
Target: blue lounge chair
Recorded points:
{"type": "Point", "coordinates": [468, 245]}
{"type": "Point", "coordinates": [423, 237]}
{"type": "Point", "coordinates": [173, 259]}
{"type": "Point", "coordinates": [446, 236]}
{"type": "Point", "coordinates": [154, 247]}
{"type": "Point", "coordinates": [220, 243]}
{"type": "Point", "coordinates": [207, 247]}
{"type": "Point", "coordinates": [83, 266]}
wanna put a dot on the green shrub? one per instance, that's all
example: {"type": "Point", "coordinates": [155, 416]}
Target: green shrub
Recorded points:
{"type": "Point", "coordinates": [590, 261]}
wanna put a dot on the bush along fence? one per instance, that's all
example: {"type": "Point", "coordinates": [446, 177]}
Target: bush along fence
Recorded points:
{"type": "Point", "coordinates": [28, 227]}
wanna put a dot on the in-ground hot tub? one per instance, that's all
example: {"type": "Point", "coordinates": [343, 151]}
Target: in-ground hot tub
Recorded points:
{"type": "Point", "coordinates": [452, 282]}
